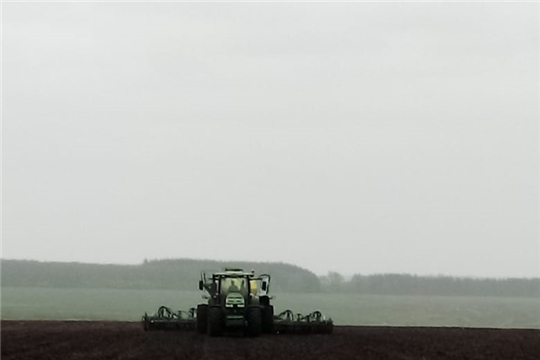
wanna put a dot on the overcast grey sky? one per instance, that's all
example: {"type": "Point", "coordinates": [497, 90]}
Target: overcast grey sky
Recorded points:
{"type": "Point", "coordinates": [356, 137]}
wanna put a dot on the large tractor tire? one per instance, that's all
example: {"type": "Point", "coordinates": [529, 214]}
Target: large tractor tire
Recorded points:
{"type": "Point", "coordinates": [202, 318]}
{"type": "Point", "coordinates": [215, 321]}
{"type": "Point", "coordinates": [268, 319]}
{"type": "Point", "coordinates": [254, 321]}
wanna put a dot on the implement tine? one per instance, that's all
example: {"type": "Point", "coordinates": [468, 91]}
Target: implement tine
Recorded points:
{"type": "Point", "coordinates": [313, 323]}
{"type": "Point", "coordinates": [166, 319]}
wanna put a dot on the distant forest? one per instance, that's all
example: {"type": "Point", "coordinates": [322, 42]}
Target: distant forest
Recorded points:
{"type": "Point", "coordinates": [174, 274]}
{"type": "Point", "coordinates": [404, 284]}
{"type": "Point", "coordinates": [183, 274]}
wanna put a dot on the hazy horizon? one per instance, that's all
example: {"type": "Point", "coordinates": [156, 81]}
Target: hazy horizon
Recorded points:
{"type": "Point", "coordinates": [346, 276]}
{"type": "Point", "coordinates": [349, 137]}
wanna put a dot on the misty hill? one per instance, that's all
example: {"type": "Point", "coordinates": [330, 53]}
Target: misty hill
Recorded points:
{"type": "Point", "coordinates": [405, 284]}
{"type": "Point", "coordinates": [183, 274]}
{"type": "Point", "coordinates": [174, 274]}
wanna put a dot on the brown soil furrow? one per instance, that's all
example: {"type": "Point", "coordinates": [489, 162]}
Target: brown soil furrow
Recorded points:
{"type": "Point", "coordinates": [126, 340]}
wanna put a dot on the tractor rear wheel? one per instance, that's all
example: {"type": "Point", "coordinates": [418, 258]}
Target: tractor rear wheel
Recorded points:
{"type": "Point", "coordinates": [202, 318]}
{"type": "Point", "coordinates": [268, 319]}
{"type": "Point", "coordinates": [254, 321]}
{"type": "Point", "coordinates": [215, 321]}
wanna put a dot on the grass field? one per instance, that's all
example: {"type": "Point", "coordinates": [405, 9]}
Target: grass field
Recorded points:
{"type": "Point", "coordinates": [110, 304]}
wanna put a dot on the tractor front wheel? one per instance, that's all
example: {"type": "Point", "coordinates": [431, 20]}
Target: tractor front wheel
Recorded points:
{"type": "Point", "coordinates": [215, 321]}
{"type": "Point", "coordinates": [254, 321]}
{"type": "Point", "coordinates": [268, 319]}
{"type": "Point", "coordinates": [202, 318]}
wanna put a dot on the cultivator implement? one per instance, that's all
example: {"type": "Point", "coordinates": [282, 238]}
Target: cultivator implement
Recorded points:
{"type": "Point", "coordinates": [166, 319]}
{"type": "Point", "coordinates": [314, 323]}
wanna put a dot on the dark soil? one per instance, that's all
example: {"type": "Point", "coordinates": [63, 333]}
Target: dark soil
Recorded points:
{"type": "Point", "coordinates": [126, 340]}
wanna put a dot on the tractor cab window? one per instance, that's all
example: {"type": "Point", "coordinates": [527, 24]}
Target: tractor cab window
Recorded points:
{"type": "Point", "coordinates": [253, 287]}
{"type": "Point", "coordinates": [233, 284]}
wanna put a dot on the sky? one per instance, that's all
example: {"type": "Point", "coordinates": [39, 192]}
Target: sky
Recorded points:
{"type": "Point", "coordinates": [349, 137]}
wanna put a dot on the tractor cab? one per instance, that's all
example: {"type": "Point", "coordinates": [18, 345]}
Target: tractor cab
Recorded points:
{"type": "Point", "coordinates": [221, 284]}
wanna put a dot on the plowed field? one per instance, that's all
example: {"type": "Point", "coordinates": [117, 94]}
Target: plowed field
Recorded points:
{"type": "Point", "coordinates": [126, 340]}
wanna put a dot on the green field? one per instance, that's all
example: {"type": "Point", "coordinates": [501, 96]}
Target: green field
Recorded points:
{"type": "Point", "coordinates": [108, 304]}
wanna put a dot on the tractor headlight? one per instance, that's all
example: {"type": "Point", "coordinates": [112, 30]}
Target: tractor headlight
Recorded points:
{"type": "Point", "coordinates": [233, 300]}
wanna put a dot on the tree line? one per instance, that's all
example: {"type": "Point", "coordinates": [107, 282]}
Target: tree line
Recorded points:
{"type": "Point", "coordinates": [183, 274]}
{"type": "Point", "coordinates": [172, 274]}
{"type": "Point", "coordinates": [405, 284]}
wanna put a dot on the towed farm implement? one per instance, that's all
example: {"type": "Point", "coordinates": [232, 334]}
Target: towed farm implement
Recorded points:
{"type": "Point", "coordinates": [236, 301]}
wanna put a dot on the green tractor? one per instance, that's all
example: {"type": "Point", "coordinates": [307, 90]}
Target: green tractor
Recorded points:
{"type": "Point", "coordinates": [237, 300]}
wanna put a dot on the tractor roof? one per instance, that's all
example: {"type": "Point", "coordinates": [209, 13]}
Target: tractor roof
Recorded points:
{"type": "Point", "coordinates": [233, 272]}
